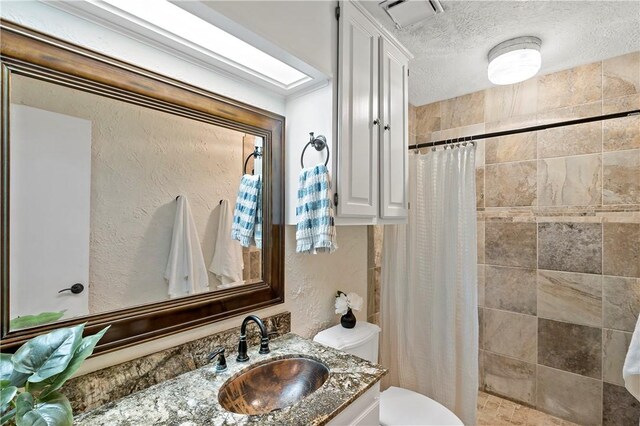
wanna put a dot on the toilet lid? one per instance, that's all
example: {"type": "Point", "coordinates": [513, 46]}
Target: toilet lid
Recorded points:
{"type": "Point", "coordinates": [404, 407]}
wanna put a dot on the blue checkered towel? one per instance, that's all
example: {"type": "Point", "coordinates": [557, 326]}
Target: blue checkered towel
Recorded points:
{"type": "Point", "coordinates": [316, 231]}
{"type": "Point", "coordinates": [247, 217]}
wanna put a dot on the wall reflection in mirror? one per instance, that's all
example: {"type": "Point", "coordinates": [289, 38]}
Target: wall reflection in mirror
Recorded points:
{"type": "Point", "coordinates": [115, 205]}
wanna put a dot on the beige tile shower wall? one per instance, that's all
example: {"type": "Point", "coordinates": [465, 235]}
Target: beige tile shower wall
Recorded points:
{"type": "Point", "coordinates": [558, 236]}
{"type": "Point", "coordinates": [374, 266]}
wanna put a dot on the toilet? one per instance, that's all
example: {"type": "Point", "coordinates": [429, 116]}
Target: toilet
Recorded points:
{"type": "Point", "coordinates": [397, 406]}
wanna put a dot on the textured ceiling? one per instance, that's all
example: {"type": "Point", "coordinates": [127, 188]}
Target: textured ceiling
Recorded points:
{"type": "Point", "coordinates": [451, 48]}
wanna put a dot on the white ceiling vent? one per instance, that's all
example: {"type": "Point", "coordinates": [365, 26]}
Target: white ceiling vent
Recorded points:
{"type": "Point", "coordinates": [407, 12]}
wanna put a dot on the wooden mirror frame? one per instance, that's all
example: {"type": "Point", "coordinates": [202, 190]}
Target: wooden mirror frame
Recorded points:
{"type": "Point", "coordinates": [37, 55]}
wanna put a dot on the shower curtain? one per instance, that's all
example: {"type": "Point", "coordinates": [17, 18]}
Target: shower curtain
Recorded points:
{"type": "Point", "coordinates": [429, 305]}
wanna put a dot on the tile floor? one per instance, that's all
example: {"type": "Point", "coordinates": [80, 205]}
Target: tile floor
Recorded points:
{"type": "Point", "coordinates": [495, 411]}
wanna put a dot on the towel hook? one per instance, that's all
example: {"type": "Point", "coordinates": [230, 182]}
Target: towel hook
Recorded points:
{"type": "Point", "coordinates": [256, 153]}
{"type": "Point", "coordinates": [319, 143]}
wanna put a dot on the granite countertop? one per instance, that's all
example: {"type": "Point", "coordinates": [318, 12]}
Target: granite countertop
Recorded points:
{"type": "Point", "coordinates": [192, 398]}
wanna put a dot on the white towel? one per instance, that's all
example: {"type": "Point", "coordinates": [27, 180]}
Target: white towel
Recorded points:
{"type": "Point", "coordinates": [631, 369]}
{"type": "Point", "coordinates": [226, 264]}
{"type": "Point", "coordinates": [186, 271]}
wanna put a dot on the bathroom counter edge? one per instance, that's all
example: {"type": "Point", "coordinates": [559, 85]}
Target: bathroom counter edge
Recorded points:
{"type": "Point", "coordinates": [192, 398]}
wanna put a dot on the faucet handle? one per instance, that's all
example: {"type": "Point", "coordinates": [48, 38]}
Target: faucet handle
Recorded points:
{"type": "Point", "coordinates": [222, 361]}
{"type": "Point", "coordinates": [264, 345]}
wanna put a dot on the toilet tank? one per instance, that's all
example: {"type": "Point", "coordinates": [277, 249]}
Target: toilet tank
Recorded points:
{"type": "Point", "coordinates": [361, 341]}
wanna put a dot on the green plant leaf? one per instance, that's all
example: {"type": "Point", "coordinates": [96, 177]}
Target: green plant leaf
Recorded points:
{"type": "Point", "coordinates": [9, 376]}
{"type": "Point", "coordinates": [47, 355]}
{"type": "Point", "coordinates": [6, 368]}
{"type": "Point", "coordinates": [18, 379]}
{"type": "Point", "coordinates": [24, 404]}
{"type": "Point", "coordinates": [84, 350]}
{"type": "Point", "coordinates": [7, 416]}
{"type": "Point", "coordinates": [27, 321]}
{"type": "Point", "coordinates": [6, 395]}
{"type": "Point", "coordinates": [52, 411]}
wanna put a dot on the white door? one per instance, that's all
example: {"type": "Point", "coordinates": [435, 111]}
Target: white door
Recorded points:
{"type": "Point", "coordinates": [394, 140]}
{"type": "Point", "coordinates": [357, 179]}
{"type": "Point", "coordinates": [50, 193]}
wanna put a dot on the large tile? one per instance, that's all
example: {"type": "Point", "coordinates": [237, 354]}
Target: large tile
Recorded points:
{"type": "Point", "coordinates": [621, 302]}
{"type": "Point", "coordinates": [570, 140]}
{"type": "Point", "coordinates": [480, 238]}
{"type": "Point", "coordinates": [570, 347]}
{"type": "Point", "coordinates": [621, 133]}
{"type": "Point", "coordinates": [569, 396]}
{"type": "Point", "coordinates": [481, 328]}
{"type": "Point", "coordinates": [519, 147]}
{"type": "Point", "coordinates": [621, 247]}
{"type": "Point", "coordinates": [510, 334]}
{"type": "Point", "coordinates": [510, 289]}
{"type": "Point", "coordinates": [463, 110]}
{"type": "Point", "coordinates": [480, 187]}
{"type": "Point", "coordinates": [574, 86]}
{"type": "Point", "coordinates": [570, 181]}
{"type": "Point", "coordinates": [511, 100]}
{"type": "Point", "coordinates": [460, 133]}
{"type": "Point", "coordinates": [480, 369]}
{"type": "Point", "coordinates": [509, 377]}
{"type": "Point", "coordinates": [376, 239]}
{"type": "Point", "coordinates": [510, 244]}
{"type": "Point", "coordinates": [481, 285]}
{"type": "Point", "coordinates": [530, 417]}
{"type": "Point", "coordinates": [619, 407]}
{"type": "Point", "coordinates": [480, 150]}
{"type": "Point", "coordinates": [570, 297]}
{"type": "Point", "coordinates": [412, 119]}
{"type": "Point", "coordinates": [614, 350]}
{"type": "Point", "coordinates": [427, 119]}
{"type": "Point", "coordinates": [373, 290]}
{"type": "Point", "coordinates": [621, 177]}
{"type": "Point", "coordinates": [621, 75]}
{"type": "Point", "coordinates": [510, 184]}
{"type": "Point", "coordinates": [572, 247]}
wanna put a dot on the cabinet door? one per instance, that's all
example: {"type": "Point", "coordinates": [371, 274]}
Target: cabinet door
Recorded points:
{"type": "Point", "coordinates": [394, 134]}
{"type": "Point", "coordinates": [357, 179]}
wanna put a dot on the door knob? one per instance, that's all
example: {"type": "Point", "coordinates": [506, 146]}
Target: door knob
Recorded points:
{"type": "Point", "coordinates": [75, 289]}
{"type": "Point", "coordinates": [376, 121]}
{"type": "Point", "coordinates": [387, 127]}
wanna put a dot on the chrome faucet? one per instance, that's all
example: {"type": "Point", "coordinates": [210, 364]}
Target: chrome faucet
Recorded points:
{"type": "Point", "coordinates": [242, 345]}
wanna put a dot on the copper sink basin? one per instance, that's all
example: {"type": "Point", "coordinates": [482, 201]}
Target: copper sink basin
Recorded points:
{"type": "Point", "coordinates": [272, 386]}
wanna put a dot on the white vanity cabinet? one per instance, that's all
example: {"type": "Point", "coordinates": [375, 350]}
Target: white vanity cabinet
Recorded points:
{"type": "Point", "coordinates": [364, 411]}
{"type": "Point", "coordinates": [372, 128]}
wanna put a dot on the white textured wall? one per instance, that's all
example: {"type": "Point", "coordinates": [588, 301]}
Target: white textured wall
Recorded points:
{"type": "Point", "coordinates": [311, 281]}
{"type": "Point", "coordinates": [141, 159]}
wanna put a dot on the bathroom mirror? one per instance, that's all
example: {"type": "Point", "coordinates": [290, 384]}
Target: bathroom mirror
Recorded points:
{"type": "Point", "coordinates": [119, 189]}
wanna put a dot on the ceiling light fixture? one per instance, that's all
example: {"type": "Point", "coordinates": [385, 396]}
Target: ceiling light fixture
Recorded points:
{"type": "Point", "coordinates": [514, 60]}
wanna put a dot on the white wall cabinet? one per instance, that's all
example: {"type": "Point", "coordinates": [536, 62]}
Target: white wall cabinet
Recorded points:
{"type": "Point", "coordinates": [358, 116]}
{"type": "Point", "coordinates": [372, 126]}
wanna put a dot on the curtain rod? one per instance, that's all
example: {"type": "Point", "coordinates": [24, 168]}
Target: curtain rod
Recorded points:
{"type": "Point", "coordinates": [527, 129]}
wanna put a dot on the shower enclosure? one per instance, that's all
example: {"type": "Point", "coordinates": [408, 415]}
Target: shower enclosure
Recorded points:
{"type": "Point", "coordinates": [558, 219]}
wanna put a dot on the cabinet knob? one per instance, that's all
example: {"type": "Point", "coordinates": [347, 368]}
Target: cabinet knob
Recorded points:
{"type": "Point", "coordinates": [376, 121]}
{"type": "Point", "coordinates": [387, 127]}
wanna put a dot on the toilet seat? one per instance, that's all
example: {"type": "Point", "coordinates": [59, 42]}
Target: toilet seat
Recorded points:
{"type": "Point", "coordinates": [404, 407]}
